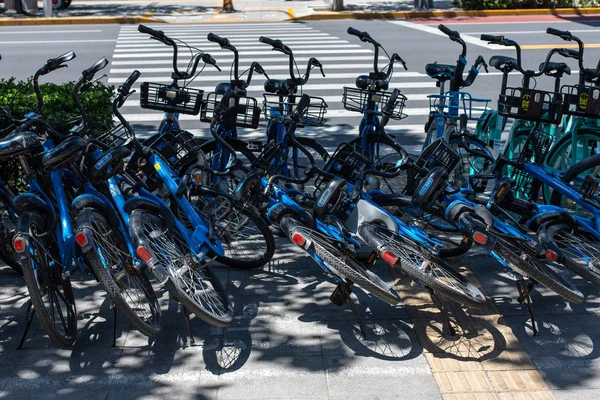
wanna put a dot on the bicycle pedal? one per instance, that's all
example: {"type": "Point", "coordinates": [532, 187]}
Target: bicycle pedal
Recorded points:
{"type": "Point", "coordinates": [339, 296]}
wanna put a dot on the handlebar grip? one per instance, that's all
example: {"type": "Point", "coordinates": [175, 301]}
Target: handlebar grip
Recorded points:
{"type": "Point", "coordinates": [269, 41]}
{"type": "Point", "coordinates": [91, 71]}
{"type": "Point", "coordinates": [217, 39]}
{"type": "Point", "coordinates": [572, 53]}
{"type": "Point", "coordinates": [130, 81]}
{"type": "Point", "coordinates": [148, 30]}
{"type": "Point", "coordinates": [445, 29]}
{"type": "Point", "coordinates": [355, 32]}
{"type": "Point", "coordinates": [558, 32]}
{"type": "Point", "coordinates": [492, 38]}
{"type": "Point", "coordinates": [64, 58]}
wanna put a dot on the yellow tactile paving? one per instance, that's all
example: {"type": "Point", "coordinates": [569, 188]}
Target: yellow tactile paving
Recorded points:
{"type": "Point", "coordinates": [482, 360]}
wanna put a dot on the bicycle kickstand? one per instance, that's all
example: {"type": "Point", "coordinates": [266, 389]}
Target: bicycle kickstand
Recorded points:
{"type": "Point", "coordinates": [347, 291]}
{"type": "Point", "coordinates": [524, 295]}
{"type": "Point", "coordinates": [28, 320]}
{"type": "Point", "coordinates": [188, 323]}
{"type": "Point", "coordinates": [114, 307]}
{"type": "Point", "coordinates": [445, 315]}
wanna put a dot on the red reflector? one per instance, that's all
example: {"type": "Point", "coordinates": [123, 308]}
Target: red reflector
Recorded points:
{"type": "Point", "coordinates": [551, 255]}
{"type": "Point", "coordinates": [480, 238]}
{"type": "Point", "coordinates": [81, 239]}
{"type": "Point", "coordinates": [144, 254]}
{"type": "Point", "coordinates": [389, 257]}
{"type": "Point", "coordinates": [298, 239]}
{"type": "Point", "coordinates": [19, 245]}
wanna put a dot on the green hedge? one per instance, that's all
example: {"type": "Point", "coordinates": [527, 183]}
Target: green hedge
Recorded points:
{"type": "Point", "coordinates": [510, 4]}
{"type": "Point", "coordinates": [58, 102]}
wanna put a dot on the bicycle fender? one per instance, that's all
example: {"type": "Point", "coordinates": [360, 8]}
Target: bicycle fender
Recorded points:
{"type": "Point", "coordinates": [551, 218]}
{"type": "Point", "coordinates": [92, 201]}
{"type": "Point", "coordinates": [152, 206]}
{"type": "Point", "coordinates": [368, 212]}
{"type": "Point", "coordinates": [29, 202]}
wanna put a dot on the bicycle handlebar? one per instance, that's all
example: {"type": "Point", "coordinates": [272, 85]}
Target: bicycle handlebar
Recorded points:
{"type": "Point", "coordinates": [583, 72]}
{"type": "Point", "coordinates": [278, 45]}
{"type": "Point", "coordinates": [223, 42]}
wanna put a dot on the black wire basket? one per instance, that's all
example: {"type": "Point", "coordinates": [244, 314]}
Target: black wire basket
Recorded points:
{"type": "Point", "coordinates": [157, 96]}
{"type": "Point", "coordinates": [276, 110]}
{"type": "Point", "coordinates": [581, 101]}
{"type": "Point", "coordinates": [357, 100]}
{"type": "Point", "coordinates": [179, 148]}
{"type": "Point", "coordinates": [116, 136]}
{"type": "Point", "coordinates": [531, 105]}
{"type": "Point", "coordinates": [437, 154]}
{"type": "Point", "coordinates": [348, 161]}
{"type": "Point", "coordinates": [453, 104]}
{"type": "Point", "coordinates": [536, 146]}
{"type": "Point", "coordinates": [242, 112]}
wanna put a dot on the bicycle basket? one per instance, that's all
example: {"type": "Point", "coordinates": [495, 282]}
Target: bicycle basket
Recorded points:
{"type": "Point", "coordinates": [117, 136]}
{"type": "Point", "coordinates": [453, 104]}
{"type": "Point", "coordinates": [179, 148]}
{"type": "Point", "coordinates": [156, 96]}
{"type": "Point", "coordinates": [531, 105]}
{"type": "Point", "coordinates": [581, 101]}
{"type": "Point", "coordinates": [525, 186]}
{"type": "Point", "coordinates": [437, 154]}
{"type": "Point", "coordinates": [536, 146]}
{"type": "Point", "coordinates": [246, 114]}
{"type": "Point", "coordinates": [276, 110]}
{"type": "Point", "coordinates": [348, 162]}
{"type": "Point", "coordinates": [358, 100]}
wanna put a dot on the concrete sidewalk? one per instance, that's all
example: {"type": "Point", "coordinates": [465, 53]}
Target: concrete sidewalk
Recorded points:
{"type": "Point", "coordinates": [181, 11]}
{"type": "Point", "coordinates": [288, 341]}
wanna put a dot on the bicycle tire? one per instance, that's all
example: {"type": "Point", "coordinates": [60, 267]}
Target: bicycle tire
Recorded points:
{"type": "Point", "coordinates": [297, 167]}
{"type": "Point", "coordinates": [536, 269]}
{"type": "Point", "coordinates": [345, 267]}
{"type": "Point", "coordinates": [7, 231]}
{"type": "Point", "coordinates": [579, 254]}
{"type": "Point", "coordinates": [384, 157]}
{"type": "Point", "coordinates": [572, 173]}
{"type": "Point", "coordinates": [562, 145]}
{"type": "Point", "coordinates": [246, 155]}
{"type": "Point", "coordinates": [252, 231]}
{"type": "Point", "coordinates": [482, 164]}
{"type": "Point", "coordinates": [190, 283]}
{"type": "Point", "coordinates": [129, 289]}
{"type": "Point", "coordinates": [439, 276]}
{"type": "Point", "coordinates": [44, 281]}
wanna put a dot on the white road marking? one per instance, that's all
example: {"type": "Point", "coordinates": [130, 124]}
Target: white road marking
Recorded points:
{"type": "Point", "coordinates": [54, 42]}
{"type": "Point", "coordinates": [435, 31]}
{"type": "Point", "coordinates": [245, 48]}
{"type": "Point", "coordinates": [267, 58]}
{"type": "Point", "coordinates": [248, 53]}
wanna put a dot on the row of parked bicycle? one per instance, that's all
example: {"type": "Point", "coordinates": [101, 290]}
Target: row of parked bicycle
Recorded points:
{"type": "Point", "coordinates": [173, 206]}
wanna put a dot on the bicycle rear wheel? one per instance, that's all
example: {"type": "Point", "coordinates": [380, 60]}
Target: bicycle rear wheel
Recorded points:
{"type": "Point", "coordinates": [574, 177]}
{"type": "Point", "coordinates": [7, 231]}
{"type": "Point", "coordinates": [580, 250]}
{"type": "Point", "coordinates": [51, 295]}
{"type": "Point", "coordinates": [511, 251]}
{"type": "Point", "coordinates": [193, 284]}
{"type": "Point", "coordinates": [343, 265]}
{"type": "Point", "coordinates": [421, 265]}
{"type": "Point", "coordinates": [129, 289]}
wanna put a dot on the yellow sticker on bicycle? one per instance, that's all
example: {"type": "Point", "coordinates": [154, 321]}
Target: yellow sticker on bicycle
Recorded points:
{"type": "Point", "coordinates": [157, 166]}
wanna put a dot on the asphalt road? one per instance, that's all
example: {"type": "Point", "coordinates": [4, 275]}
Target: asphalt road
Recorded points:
{"type": "Point", "coordinates": [343, 56]}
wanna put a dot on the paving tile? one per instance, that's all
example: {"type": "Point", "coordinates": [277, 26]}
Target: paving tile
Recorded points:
{"type": "Point", "coordinates": [463, 381]}
{"type": "Point", "coordinates": [576, 394]}
{"type": "Point", "coordinates": [443, 363]}
{"type": "Point", "coordinates": [470, 396]}
{"type": "Point", "coordinates": [537, 395]}
{"type": "Point", "coordinates": [524, 380]}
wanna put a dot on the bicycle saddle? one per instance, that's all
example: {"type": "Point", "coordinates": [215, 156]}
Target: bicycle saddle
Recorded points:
{"type": "Point", "coordinates": [223, 87]}
{"type": "Point", "coordinates": [66, 152]}
{"type": "Point", "coordinates": [441, 72]}
{"type": "Point", "coordinates": [503, 63]}
{"type": "Point", "coordinates": [556, 67]}
{"type": "Point", "coordinates": [19, 143]}
{"type": "Point", "coordinates": [365, 82]}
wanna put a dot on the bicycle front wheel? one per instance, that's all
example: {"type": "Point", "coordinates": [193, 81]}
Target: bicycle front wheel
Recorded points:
{"type": "Point", "coordinates": [193, 284]}
{"type": "Point", "coordinates": [343, 265]}
{"type": "Point", "coordinates": [421, 265]}
{"type": "Point", "coordinates": [51, 294]}
{"type": "Point", "coordinates": [129, 289]}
